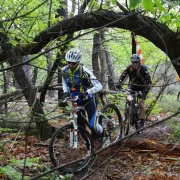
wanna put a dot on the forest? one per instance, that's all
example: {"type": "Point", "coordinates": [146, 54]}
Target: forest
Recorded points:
{"type": "Point", "coordinates": [34, 39]}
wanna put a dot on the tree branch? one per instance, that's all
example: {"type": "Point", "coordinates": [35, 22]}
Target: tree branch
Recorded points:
{"type": "Point", "coordinates": [159, 34]}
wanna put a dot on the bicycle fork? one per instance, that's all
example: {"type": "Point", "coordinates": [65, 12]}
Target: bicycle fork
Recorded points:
{"type": "Point", "coordinates": [74, 132]}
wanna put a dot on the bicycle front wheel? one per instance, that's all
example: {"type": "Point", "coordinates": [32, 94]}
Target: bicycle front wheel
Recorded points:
{"type": "Point", "coordinates": [62, 152]}
{"type": "Point", "coordinates": [127, 119]}
{"type": "Point", "coordinates": [130, 119]}
{"type": "Point", "coordinates": [113, 121]}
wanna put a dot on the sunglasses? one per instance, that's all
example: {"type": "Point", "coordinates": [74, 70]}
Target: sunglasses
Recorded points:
{"type": "Point", "coordinates": [73, 63]}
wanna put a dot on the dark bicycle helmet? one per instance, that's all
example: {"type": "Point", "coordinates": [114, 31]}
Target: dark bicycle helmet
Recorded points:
{"type": "Point", "coordinates": [135, 58]}
{"type": "Point", "coordinates": [73, 55]}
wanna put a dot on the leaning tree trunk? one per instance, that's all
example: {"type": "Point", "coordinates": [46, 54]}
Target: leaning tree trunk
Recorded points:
{"type": "Point", "coordinates": [158, 33]}
{"type": "Point", "coordinates": [29, 93]}
{"type": "Point", "coordinates": [61, 12]}
{"type": "Point", "coordinates": [36, 112]}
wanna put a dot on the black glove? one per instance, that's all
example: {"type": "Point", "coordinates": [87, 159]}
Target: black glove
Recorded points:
{"type": "Point", "coordinates": [65, 95]}
{"type": "Point", "coordinates": [119, 85]}
{"type": "Point", "coordinates": [83, 95]}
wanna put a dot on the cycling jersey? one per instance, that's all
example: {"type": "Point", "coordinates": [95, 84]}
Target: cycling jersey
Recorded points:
{"type": "Point", "coordinates": [139, 79]}
{"type": "Point", "coordinates": [74, 84]}
{"type": "Point", "coordinates": [83, 80]}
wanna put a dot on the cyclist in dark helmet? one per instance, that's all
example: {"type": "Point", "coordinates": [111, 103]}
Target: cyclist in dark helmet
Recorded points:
{"type": "Point", "coordinates": [139, 80]}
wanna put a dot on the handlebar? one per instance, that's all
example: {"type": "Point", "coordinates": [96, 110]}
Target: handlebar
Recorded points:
{"type": "Point", "coordinates": [71, 99]}
{"type": "Point", "coordinates": [129, 91]}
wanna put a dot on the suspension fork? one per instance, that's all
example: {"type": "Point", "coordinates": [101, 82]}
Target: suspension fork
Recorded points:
{"type": "Point", "coordinates": [126, 112]}
{"type": "Point", "coordinates": [136, 106]}
{"type": "Point", "coordinates": [74, 132]}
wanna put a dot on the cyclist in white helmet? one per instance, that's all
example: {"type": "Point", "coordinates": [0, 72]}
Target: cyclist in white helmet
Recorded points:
{"type": "Point", "coordinates": [78, 80]}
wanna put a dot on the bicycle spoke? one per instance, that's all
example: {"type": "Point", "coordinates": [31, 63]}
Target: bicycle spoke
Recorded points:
{"type": "Point", "coordinates": [113, 122]}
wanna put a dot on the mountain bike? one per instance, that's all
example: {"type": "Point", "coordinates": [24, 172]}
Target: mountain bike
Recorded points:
{"type": "Point", "coordinates": [71, 142]}
{"type": "Point", "coordinates": [132, 110]}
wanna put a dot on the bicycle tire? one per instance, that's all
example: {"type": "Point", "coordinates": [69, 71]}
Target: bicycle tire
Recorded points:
{"type": "Point", "coordinates": [127, 120]}
{"type": "Point", "coordinates": [116, 119]}
{"type": "Point", "coordinates": [136, 118]}
{"type": "Point", "coordinates": [131, 119]}
{"type": "Point", "coordinates": [60, 151]}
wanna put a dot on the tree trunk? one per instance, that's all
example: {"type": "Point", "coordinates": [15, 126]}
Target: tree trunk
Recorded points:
{"type": "Point", "coordinates": [95, 52]}
{"type": "Point", "coordinates": [62, 49]}
{"type": "Point", "coordinates": [111, 75]}
{"type": "Point", "coordinates": [133, 44]}
{"type": "Point", "coordinates": [60, 91]}
{"type": "Point", "coordinates": [34, 78]}
{"type": "Point", "coordinates": [102, 57]}
{"type": "Point", "coordinates": [28, 91]}
{"type": "Point", "coordinates": [5, 87]}
{"type": "Point", "coordinates": [159, 34]}
{"type": "Point", "coordinates": [27, 68]}
{"type": "Point", "coordinates": [49, 66]}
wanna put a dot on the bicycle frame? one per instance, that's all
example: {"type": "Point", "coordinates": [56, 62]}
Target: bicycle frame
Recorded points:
{"type": "Point", "coordinates": [132, 100]}
{"type": "Point", "coordinates": [131, 108]}
{"type": "Point", "coordinates": [73, 120]}
{"type": "Point", "coordinates": [74, 132]}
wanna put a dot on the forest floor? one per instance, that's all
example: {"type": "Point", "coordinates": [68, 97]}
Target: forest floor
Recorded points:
{"type": "Point", "coordinates": [151, 155]}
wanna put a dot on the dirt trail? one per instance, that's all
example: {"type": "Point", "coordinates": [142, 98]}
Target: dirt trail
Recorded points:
{"type": "Point", "coordinates": [146, 156]}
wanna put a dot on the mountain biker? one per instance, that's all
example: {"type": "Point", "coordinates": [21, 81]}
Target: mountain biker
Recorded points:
{"type": "Point", "coordinates": [79, 81]}
{"type": "Point", "coordinates": [140, 80]}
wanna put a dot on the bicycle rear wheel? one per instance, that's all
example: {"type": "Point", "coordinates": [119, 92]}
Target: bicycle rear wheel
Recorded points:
{"type": "Point", "coordinates": [113, 122]}
{"type": "Point", "coordinates": [61, 153]}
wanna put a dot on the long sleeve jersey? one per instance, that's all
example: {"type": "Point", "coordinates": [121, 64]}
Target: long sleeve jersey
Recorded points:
{"type": "Point", "coordinates": [76, 82]}
{"type": "Point", "coordinates": [139, 79]}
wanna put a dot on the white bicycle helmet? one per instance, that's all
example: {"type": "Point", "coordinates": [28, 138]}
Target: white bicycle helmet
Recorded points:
{"type": "Point", "coordinates": [135, 58]}
{"type": "Point", "coordinates": [73, 55]}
